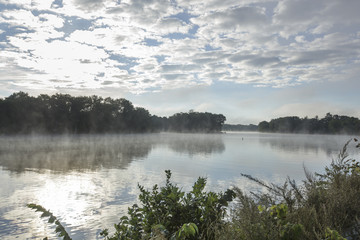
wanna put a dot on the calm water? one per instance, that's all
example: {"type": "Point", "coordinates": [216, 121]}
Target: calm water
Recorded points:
{"type": "Point", "coordinates": [89, 181]}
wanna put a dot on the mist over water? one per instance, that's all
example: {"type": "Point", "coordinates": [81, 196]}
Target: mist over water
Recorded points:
{"type": "Point", "coordinates": [88, 181]}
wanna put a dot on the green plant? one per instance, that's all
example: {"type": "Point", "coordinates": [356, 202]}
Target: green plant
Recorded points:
{"type": "Point", "coordinates": [333, 235]}
{"type": "Point", "coordinates": [325, 206]}
{"type": "Point", "coordinates": [60, 230]}
{"type": "Point", "coordinates": [170, 213]}
{"type": "Point", "coordinates": [284, 229]}
{"type": "Point", "coordinates": [187, 230]}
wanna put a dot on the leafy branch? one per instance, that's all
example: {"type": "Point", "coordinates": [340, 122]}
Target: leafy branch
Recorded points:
{"type": "Point", "coordinates": [60, 230]}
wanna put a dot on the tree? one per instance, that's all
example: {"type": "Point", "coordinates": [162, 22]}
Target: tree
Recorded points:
{"type": "Point", "coordinates": [62, 113]}
{"type": "Point", "coordinates": [264, 126]}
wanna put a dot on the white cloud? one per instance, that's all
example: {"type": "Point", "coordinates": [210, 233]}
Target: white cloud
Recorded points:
{"type": "Point", "coordinates": [16, 2]}
{"type": "Point", "coordinates": [52, 20]}
{"type": "Point", "coordinates": [300, 39]}
{"type": "Point", "coordinates": [23, 18]}
{"type": "Point", "coordinates": [242, 17]}
{"type": "Point", "coordinates": [170, 25]}
{"type": "Point", "coordinates": [104, 37]}
{"type": "Point", "coordinates": [317, 17]}
{"type": "Point", "coordinates": [142, 13]}
{"type": "Point", "coordinates": [40, 27]}
{"type": "Point", "coordinates": [198, 7]}
{"type": "Point", "coordinates": [41, 4]}
{"type": "Point", "coordinates": [89, 5]}
{"type": "Point", "coordinates": [144, 46]}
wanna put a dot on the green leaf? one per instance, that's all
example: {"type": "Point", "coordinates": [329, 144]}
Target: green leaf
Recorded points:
{"type": "Point", "coordinates": [261, 208]}
{"type": "Point", "coordinates": [52, 219]}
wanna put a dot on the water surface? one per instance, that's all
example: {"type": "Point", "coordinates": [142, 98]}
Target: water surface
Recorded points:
{"type": "Point", "coordinates": [88, 181]}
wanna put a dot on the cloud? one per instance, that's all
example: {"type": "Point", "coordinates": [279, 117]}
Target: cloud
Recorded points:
{"type": "Point", "coordinates": [156, 45]}
{"type": "Point", "coordinates": [89, 5]}
{"type": "Point", "coordinates": [254, 60]}
{"type": "Point", "coordinates": [142, 13]}
{"type": "Point", "coordinates": [315, 17]}
{"type": "Point", "coordinates": [180, 68]}
{"type": "Point", "coordinates": [231, 18]}
{"type": "Point", "coordinates": [25, 23]}
{"type": "Point", "coordinates": [170, 25]}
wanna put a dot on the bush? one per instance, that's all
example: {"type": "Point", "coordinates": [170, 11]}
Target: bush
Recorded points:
{"type": "Point", "coordinates": [169, 213]}
{"type": "Point", "coordinates": [326, 206]}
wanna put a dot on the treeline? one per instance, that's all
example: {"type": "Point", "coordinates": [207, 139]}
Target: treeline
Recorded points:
{"type": "Point", "coordinates": [330, 124]}
{"type": "Point", "coordinates": [239, 127]}
{"type": "Point", "coordinates": [196, 122]}
{"type": "Point", "coordinates": [62, 113]}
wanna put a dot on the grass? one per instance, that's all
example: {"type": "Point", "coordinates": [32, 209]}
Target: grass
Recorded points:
{"type": "Point", "coordinates": [325, 206]}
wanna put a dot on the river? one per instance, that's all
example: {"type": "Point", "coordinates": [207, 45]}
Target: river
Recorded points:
{"type": "Point", "coordinates": [88, 181]}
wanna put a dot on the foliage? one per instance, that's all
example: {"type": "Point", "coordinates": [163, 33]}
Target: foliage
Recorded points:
{"type": "Point", "coordinates": [169, 213]}
{"type": "Point", "coordinates": [326, 206]}
{"type": "Point", "coordinates": [333, 124]}
{"type": "Point", "coordinates": [196, 122]}
{"type": "Point", "coordinates": [62, 113]}
{"type": "Point", "coordinates": [60, 230]}
{"type": "Point", "coordinates": [333, 235]}
{"type": "Point", "coordinates": [239, 127]}
{"type": "Point", "coordinates": [282, 228]}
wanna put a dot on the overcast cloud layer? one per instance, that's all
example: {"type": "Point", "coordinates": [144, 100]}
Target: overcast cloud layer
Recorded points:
{"type": "Point", "coordinates": [250, 59]}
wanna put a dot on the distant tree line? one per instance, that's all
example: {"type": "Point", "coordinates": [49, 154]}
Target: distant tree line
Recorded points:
{"type": "Point", "coordinates": [196, 122]}
{"type": "Point", "coordinates": [239, 127]}
{"type": "Point", "coordinates": [330, 124]}
{"type": "Point", "coordinates": [62, 113]}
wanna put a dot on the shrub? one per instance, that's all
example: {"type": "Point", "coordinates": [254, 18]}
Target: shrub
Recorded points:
{"type": "Point", "coordinates": [169, 213]}
{"type": "Point", "coordinates": [326, 206]}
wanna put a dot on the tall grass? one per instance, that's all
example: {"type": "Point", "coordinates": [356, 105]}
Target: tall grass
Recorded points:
{"type": "Point", "coordinates": [324, 206]}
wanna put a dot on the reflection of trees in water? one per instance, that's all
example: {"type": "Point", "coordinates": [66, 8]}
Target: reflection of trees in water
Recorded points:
{"type": "Point", "coordinates": [62, 153]}
{"type": "Point", "coordinates": [90, 152]}
{"type": "Point", "coordinates": [196, 144]}
{"type": "Point", "coordinates": [329, 144]}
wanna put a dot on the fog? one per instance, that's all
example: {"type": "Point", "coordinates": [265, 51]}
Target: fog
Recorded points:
{"type": "Point", "coordinates": [90, 152]}
{"type": "Point", "coordinates": [88, 181]}
{"type": "Point", "coordinates": [329, 144]}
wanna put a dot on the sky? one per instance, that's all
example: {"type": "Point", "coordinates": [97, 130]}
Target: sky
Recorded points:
{"type": "Point", "coordinates": [250, 60]}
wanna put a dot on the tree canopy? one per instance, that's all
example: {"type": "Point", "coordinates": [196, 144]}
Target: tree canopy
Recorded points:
{"type": "Point", "coordinates": [332, 124]}
{"type": "Point", "coordinates": [62, 113]}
